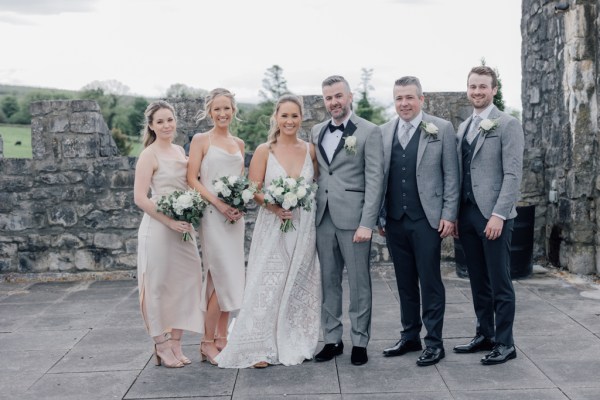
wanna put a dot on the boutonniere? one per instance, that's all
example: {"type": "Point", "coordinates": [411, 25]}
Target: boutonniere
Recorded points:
{"type": "Point", "coordinates": [429, 129]}
{"type": "Point", "coordinates": [488, 125]}
{"type": "Point", "coordinates": [350, 144]}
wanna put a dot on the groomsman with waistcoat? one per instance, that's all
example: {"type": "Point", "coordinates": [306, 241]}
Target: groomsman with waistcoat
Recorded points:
{"type": "Point", "coordinates": [420, 205]}
{"type": "Point", "coordinates": [490, 149]}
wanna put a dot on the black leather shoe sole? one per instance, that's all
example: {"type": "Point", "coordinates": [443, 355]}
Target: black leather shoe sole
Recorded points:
{"type": "Point", "coordinates": [359, 356]}
{"type": "Point", "coordinates": [329, 352]}
{"type": "Point", "coordinates": [431, 361]}
{"type": "Point", "coordinates": [406, 348]}
{"type": "Point", "coordinates": [468, 348]}
{"type": "Point", "coordinates": [499, 360]}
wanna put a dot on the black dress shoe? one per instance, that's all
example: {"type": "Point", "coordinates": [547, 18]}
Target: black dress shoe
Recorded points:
{"type": "Point", "coordinates": [329, 351]}
{"type": "Point", "coordinates": [499, 355]}
{"type": "Point", "coordinates": [478, 343]}
{"type": "Point", "coordinates": [359, 355]}
{"type": "Point", "coordinates": [430, 356]}
{"type": "Point", "coordinates": [402, 347]}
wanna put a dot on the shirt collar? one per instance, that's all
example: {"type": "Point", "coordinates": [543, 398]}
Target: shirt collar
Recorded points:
{"type": "Point", "coordinates": [485, 113]}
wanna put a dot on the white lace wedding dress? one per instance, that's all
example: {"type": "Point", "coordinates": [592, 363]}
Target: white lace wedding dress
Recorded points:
{"type": "Point", "coordinates": [281, 312]}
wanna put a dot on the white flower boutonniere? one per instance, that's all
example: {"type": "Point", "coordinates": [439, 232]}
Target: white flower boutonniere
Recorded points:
{"type": "Point", "coordinates": [429, 129]}
{"type": "Point", "coordinates": [488, 125]}
{"type": "Point", "coordinates": [350, 144]}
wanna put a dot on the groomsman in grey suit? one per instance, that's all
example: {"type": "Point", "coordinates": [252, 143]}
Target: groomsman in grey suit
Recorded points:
{"type": "Point", "coordinates": [350, 181]}
{"type": "Point", "coordinates": [419, 209]}
{"type": "Point", "coordinates": [490, 149]}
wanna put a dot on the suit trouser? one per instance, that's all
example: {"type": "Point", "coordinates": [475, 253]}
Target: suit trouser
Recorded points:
{"type": "Point", "coordinates": [415, 249]}
{"type": "Point", "coordinates": [336, 249]}
{"type": "Point", "coordinates": [488, 263]}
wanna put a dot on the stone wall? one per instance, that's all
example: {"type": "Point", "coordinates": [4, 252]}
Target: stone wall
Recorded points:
{"type": "Point", "coordinates": [560, 115]}
{"type": "Point", "coordinates": [70, 208]}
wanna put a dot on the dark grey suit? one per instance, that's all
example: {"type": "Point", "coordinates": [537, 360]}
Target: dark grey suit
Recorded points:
{"type": "Point", "coordinates": [422, 187]}
{"type": "Point", "coordinates": [348, 196]}
{"type": "Point", "coordinates": [491, 172]}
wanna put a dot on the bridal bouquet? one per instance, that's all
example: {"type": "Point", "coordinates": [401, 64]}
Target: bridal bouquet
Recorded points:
{"type": "Point", "coordinates": [185, 206]}
{"type": "Point", "coordinates": [290, 193]}
{"type": "Point", "coordinates": [235, 191]}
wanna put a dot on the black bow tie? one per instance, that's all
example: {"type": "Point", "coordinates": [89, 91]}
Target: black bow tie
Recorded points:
{"type": "Point", "coordinates": [333, 127]}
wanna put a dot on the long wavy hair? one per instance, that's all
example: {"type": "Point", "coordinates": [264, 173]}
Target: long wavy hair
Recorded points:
{"type": "Point", "coordinates": [274, 129]}
{"type": "Point", "coordinates": [208, 100]}
{"type": "Point", "coordinates": [148, 134]}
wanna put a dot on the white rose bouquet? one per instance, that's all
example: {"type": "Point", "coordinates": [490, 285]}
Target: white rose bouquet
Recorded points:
{"type": "Point", "coordinates": [185, 206]}
{"type": "Point", "coordinates": [290, 193]}
{"type": "Point", "coordinates": [235, 191]}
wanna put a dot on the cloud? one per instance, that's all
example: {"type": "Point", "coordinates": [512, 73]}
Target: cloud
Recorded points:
{"type": "Point", "coordinates": [13, 19]}
{"type": "Point", "coordinates": [45, 7]}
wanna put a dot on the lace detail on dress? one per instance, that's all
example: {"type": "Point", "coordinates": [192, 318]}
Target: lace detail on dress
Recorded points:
{"type": "Point", "coordinates": [281, 313]}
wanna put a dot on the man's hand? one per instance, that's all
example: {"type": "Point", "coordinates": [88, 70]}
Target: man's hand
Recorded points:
{"type": "Point", "coordinates": [446, 228]}
{"type": "Point", "coordinates": [362, 234]}
{"type": "Point", "coordinates": [493, 229]}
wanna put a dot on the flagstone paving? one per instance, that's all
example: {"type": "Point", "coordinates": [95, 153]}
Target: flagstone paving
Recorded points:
{"type": "Point", "coordinates": [86, 340]}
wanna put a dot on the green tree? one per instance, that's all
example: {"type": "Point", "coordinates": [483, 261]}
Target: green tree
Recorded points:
{"type": "Point", "coordinates": [364, 108]}
{"type": "Point", "coordinates": [498, 99]}
{"type": "Point", "coordinates": [9, 106]}
{"type": "Point", "coordinates": [121, 141]}
{"type": "Point", "coordinates": [254, 125]}
{"type": "Point", "coordinates": [274, 84]}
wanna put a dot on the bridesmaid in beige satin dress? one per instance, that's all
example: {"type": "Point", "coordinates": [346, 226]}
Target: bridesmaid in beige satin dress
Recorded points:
{"type": "Point", "coordinates": [214, 154]}
{"type": "Point", "coordinates": [169, 269]}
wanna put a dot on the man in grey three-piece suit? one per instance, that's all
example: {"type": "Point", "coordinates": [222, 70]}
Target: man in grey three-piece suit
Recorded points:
{"type": "Point", "coordinates": [349, 154]}
{"type": "Point", "coordinates": [490, 149]}
{"type": "Point", "coordinates": [419, 209]}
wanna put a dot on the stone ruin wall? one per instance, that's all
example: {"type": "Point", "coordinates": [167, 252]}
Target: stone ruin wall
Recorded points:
{"type": "Point", "coordinates": [70, 208]}
{"type": "Point", "coordinates": [560, 114]}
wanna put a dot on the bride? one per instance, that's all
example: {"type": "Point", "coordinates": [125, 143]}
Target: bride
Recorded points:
{"type": "Point", "coordinates": [280, 315]}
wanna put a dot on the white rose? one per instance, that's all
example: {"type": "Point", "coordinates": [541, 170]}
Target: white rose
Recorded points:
{"type": "Point", "coordinates": [226, 192]}
{"type": "Point", "coordinates": [184, 201]}
{"type": "Point", "coordinates": [290, 200]}
{"type": "Point", "coordinates": [271, 188]}
{"type": "Point", "coordinates": [269, 199]}
{"type": "Point", "coordinates": [301, 192]}
{"type": "Point", "coordinates": [247, 195]}
{"type": "Point", "coordinates": [290, 182]}
{"type": "Point", "coordinates": [431, 128]}
{"type": "Point", "coordinates": [278, 191]}
{"type": "Point", "coordinates": [486, 124]}
{"type": "Point", "coordinates": [351, 141]}
{"type": "Point", "coordinates": [219, 185]}
{"type": "Point", "coordinates": [232, 179]}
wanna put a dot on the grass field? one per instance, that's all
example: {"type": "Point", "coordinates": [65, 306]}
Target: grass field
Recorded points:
{"type": "Point", "coordinates": [11, 135]}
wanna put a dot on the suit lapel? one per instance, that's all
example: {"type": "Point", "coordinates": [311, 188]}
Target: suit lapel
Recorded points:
{"type": "Point", "coordinates": [423, 140]}
{"type": "Point", "coordinates": [348, 131]}
{"type": "Point", "coordinates": [320, 141]}
{"type": "Point", "coordinates": [390, 135]}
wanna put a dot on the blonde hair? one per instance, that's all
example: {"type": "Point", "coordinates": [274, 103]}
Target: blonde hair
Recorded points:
{"type": "Point", "coordinates": [274, 129]}
{"type": "Point", "coordinates": [208, 100]}
{"type": "Point", "coordinates": [148, 134]}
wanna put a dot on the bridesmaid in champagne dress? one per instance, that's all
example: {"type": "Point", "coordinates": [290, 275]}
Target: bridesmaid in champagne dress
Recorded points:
{"type": "Point", "coordinates": [280, 316]}
{"type": "Point", "coordinates": [169, 269]}
{"type": "Point", "coordinates": [214, 154]}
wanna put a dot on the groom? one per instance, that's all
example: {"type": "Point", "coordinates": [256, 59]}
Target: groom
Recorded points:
{"type": "Point", "coordinates": [350, 155]}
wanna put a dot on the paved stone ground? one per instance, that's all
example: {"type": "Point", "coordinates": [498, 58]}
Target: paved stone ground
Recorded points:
{"type": "Point", "coordinates": [85, 340]}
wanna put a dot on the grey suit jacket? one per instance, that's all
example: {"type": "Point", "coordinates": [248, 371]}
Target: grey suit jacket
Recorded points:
{"type": "Point", "coordinates": [351, 184]}
{"type": "Point", "coordinates": [438, 178]}
{"type": "Point", "coordinates": [497, 165]}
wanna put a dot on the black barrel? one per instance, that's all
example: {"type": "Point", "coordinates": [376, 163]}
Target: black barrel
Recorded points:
{"type": "Point", "coordinates": [521, 247]}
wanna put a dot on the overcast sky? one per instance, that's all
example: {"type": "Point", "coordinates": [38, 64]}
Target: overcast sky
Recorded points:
{"type": "Point", "coordinates": [150, 44]}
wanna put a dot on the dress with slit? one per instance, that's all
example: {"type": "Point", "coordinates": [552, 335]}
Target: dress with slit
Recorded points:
{"type": "Point", "coordinates": [280, 317]}
{"type": "Point", "coordinates": [169, 270]}
{"type": "Point", "coordinates": [221, 243]}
